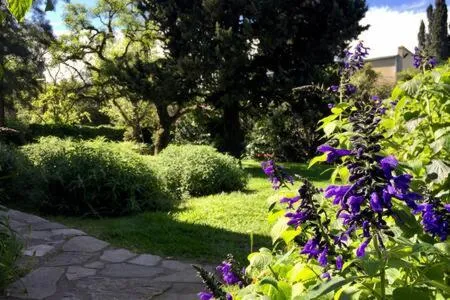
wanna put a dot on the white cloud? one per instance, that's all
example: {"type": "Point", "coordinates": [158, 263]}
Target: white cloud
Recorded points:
{"type": "Point", "coordinates": [391, 28]}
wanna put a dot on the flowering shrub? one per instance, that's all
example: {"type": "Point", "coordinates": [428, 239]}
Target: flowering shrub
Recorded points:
{"type": "Point", "coordinates": [370, 234]}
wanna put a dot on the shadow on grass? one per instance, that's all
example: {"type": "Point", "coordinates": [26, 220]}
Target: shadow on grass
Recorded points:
{"type": "Point", "coordinates": [161, 234]}
{"type": "Point", "coordinates": [315, 173]}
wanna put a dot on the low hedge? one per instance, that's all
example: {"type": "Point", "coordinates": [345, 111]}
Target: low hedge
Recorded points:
{"type": "Point", "coordinates": [193, 170]}
{"type": "Point", "coordinates": [82, 132]}
{"type": "Point", "coordinates": [95, 178]}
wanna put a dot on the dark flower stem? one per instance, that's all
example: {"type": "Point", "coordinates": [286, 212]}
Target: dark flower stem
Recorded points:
{"type": "Point", "coordinates": [382, 261]}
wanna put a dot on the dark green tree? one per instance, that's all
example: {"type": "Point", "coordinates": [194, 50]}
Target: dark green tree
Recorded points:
{"type": "Point", "coordinates": [422, 36]}
{"type": "Point", "coordinates": [440, 31]}
{"type": "Point", "coordinates": [249, 53]}
{"type": "Point", "coordinates": [21, 59]}
{"type": "Point", "coordinates": [437, 43]}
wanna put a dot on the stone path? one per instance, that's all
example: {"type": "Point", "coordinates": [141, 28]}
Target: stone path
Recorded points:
{"type": "Point", "coordinates": [68, 264]}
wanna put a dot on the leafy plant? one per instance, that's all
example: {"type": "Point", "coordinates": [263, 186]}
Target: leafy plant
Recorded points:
{"type": "Point", "coordinates": [417, 128]}
{"type": "Point", "coordinates": [376, 239]}
{"type": "Point", "coordinates": [194, 170]}
{"type": "Point", "coordinates": [95, 178]}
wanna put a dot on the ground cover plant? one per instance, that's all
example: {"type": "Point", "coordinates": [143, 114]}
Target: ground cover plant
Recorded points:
{"type": "Point", "coordinates": [374, 233]}
{"type": "Point", "coordinates": [202, 228]}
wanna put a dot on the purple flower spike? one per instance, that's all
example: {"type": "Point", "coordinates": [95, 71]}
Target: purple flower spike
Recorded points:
{"type": "Point", "coordinates": [361, 251]}
{"type": "Point", "coordinates": [229, 297]}
{"type": "Point", "coordinates": [355, 203]}
{"type": "Point", "coordinates": [339, 262]}
{"type": "Point", "coordinates": [205, 296]}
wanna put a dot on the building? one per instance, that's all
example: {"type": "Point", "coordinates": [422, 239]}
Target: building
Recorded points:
{"type": "Point", "coordinates": [389, 66]}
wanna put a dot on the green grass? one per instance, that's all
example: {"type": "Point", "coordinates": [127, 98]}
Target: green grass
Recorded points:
{"type": "Point", "coordinates": [204, 229]}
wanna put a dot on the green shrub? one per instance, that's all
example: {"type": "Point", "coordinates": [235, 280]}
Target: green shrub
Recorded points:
{"type": "Point", "coordinates": [193, 170]}
{"type": "Point", "coordinates": [19, 180]}
{"type": "Point", "coordinates": [95, 178]}
{"type": "Point", "coordinates": [9, 253]}
{"type": "Point", "coordinates": [82, 132]}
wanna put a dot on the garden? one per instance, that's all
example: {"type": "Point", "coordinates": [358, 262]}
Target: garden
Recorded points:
{"type": "Point", "coordinates": [215, 133]}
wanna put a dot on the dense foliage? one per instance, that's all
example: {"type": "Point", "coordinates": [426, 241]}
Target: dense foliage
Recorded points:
{"type": "Point", "coordinates": [194, 170]}
{"type": "Point", "coordinates": [417, 129]}
{"type": "Point", "coordinates": [373, 233]}
{"type": "Point", "coordinates": [34, 131]}
{"type": "Point", "coordinates": [94, 178]}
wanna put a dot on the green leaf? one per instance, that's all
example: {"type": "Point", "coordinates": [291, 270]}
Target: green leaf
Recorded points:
{"type": "Point", "coordinates": [409, 293]}
{"type": "Point", "coordinates": [329, 286]}
{"type": "Point", "coordinates": [371, 266]}
{"type": "Point", "coordinates": [301, 273]}
{"type": "Point", "coordinates": [19, 8]}
{"type": "Point", "coordinates": [330, 127]}
{"type": "Point", "coordinates": [406, 221]}
{"type": "Point", "coordinates": [444, 247]}
{"type": "Point", "coordinates": [269, 281]}
{"type": "Point", "coordinates": [261, 259]}
{"type": "Point", "coordinates": [344, 174]}
{"type": "Point", "coordinates": [439, 168]}
{"type": "Point", "coordinates": [282, 230]}
{"type": "Point", "coordinates": [317, 159]}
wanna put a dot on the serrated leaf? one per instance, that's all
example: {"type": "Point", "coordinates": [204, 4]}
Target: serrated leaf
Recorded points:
{"type": "Point", "coordinates": [301, 273]}
{"type": "Point", "coordinates": [259, 260]}
{"type": "Point", "coordinates": [19, 8]}
{"type": "Point", "coordinates": [439, 168]}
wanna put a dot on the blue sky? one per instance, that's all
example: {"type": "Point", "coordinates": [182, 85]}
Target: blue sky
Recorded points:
{"type": "Point", "coordinates": [393, 23]}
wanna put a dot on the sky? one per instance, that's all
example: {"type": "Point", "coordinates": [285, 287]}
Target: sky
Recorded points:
{"type": "Point", "coordinates": [393, 23]}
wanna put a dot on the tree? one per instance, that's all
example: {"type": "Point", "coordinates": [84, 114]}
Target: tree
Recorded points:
{"type": "Point", "coordinates": [422, 36]}
{"type": "Point", "coordinates": [247, 53]}
{"type": "Point", "coordinates": [21, 60]}
{"type": "Point", "coordinates": [440, 31]}
{"type": "Point", "coordinates": [119, 47]}
{"type": "Point", "coordinates": [437, 41]}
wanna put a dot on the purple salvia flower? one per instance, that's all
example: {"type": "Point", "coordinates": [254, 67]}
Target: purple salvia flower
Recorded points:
{"type": "Point", "coordinates": [205, 296]}
{"type": "Point", "coordinates": [375, 202]}
{"type": "Point", "coordinates": [332, 153]}
{"type": "Point", "coordinates": [311, 248]}
{"type": "Point", "coordinates": [361, 251]}
{"type": "Point", "coordinates": [339, 262]}
{"type": "Point", "coordinates": [326, 275]}
{"type": "Point", "coordinates": [323, 257]}
{"type": "Point", "coordinates": [338, 192]}
{"type": "Point", "coordinates": [226, 271]}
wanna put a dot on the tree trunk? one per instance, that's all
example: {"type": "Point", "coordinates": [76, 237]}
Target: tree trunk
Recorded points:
{"type": "Point", "coordinates": [162, 135]}
{"type": "Point", "coordinates": [233, 136]}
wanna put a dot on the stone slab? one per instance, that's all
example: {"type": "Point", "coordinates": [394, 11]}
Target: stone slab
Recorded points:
{"type": "Point", "coordinates": [25, 218]}
{"type": "Point", "coordinates": [117, 255]}
{"type": "Point", "coordinates": [39, 284]}
{"type": "Point", "coordinates": [84, 244]}
{"type": "Point", "coordinates": [102, 288]}
{"type": "Point", "coordinates": [125, 270]}
{"type": "Point", "coordinates": [146, 260]}
{"type": "Point", "coordinates": [77, 272]}
{"type": "Point", "coordinates": [47, 226]}
{"type": "Point", "coordinates": [175, 265]}
{"type": "Point", "coordinates": [68, 258]}
{"type": "Point", "coordinates": [95, 265]}
{"type": "Point", "coordinates": [68, 232]}
{"type": "Point", "coordinates": [186, 276]}
{"type": "Point", "coordinates": [39, 250]}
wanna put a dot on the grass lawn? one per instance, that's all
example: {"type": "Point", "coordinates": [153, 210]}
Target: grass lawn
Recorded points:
{"type": "Point", "coordinates": [204, 229]}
